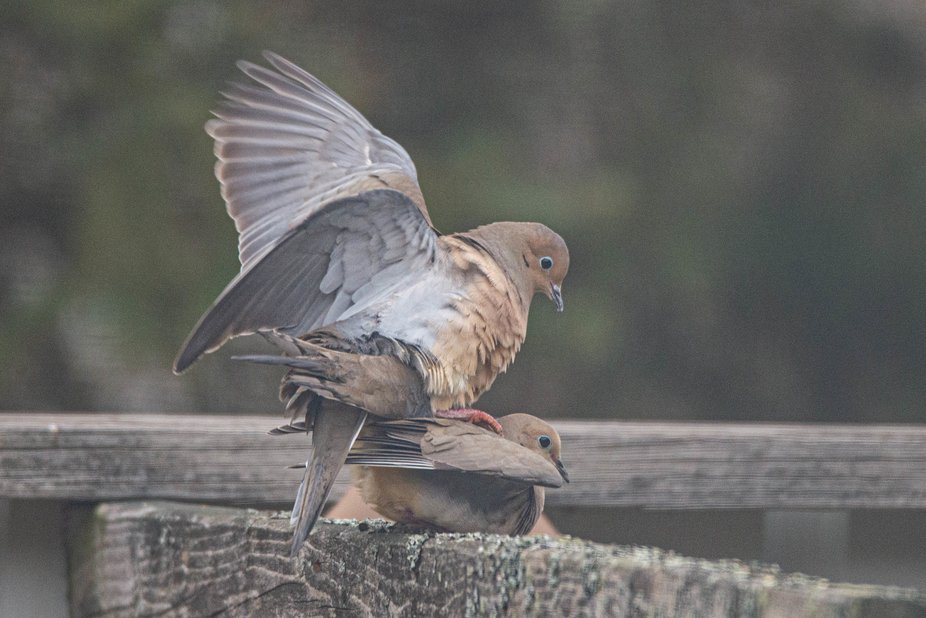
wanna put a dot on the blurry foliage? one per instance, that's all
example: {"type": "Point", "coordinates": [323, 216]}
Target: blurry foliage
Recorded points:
{"type": "Point", "coordinates": [741, 185]}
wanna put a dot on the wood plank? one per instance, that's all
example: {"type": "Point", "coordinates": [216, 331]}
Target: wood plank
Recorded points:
{"type": "Point", "coordinates": [115, 456]}
{"type": "Point", "coordinates": [133, 559]}
{"type": "Point", "coordinates": [628, 464]}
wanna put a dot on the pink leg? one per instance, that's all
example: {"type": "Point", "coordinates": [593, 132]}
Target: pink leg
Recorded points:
{"type": "Point", "coordinates": [477, 417]}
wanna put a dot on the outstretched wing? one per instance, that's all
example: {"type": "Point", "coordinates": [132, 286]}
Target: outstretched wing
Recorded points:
{"type": "Point", "coordinates": [288, 145]}
{"type": "Point", "coordinates": [350, 254]}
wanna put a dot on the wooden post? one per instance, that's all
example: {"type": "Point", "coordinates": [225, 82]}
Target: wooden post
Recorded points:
{"type": "Point", "coordinates": [144, 558]}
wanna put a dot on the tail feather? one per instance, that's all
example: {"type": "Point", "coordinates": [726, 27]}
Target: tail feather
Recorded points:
{"type": "Point", "coordinates": [335, 428]}
{"type": "Point", "coordinates": [302, 363]}
{"type": "Point", "coordinates": [294, 427]}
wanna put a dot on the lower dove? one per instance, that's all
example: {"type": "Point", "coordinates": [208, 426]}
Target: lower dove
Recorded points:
{"type": "Point", "coordinates": [454, 476]}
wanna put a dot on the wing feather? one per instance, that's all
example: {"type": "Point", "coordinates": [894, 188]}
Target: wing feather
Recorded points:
{"type": "Point", "coordinates": [440, 444]}
{"type": "Point", "coordinates": [287, 144]}
{"type": "Point", "coordinates": [463, 446]}
{"type": "Point", "coordinates": [308, 279]}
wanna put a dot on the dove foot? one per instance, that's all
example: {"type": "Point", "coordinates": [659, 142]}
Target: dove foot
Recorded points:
{"type": "Point", "coordinates": [476, 417]}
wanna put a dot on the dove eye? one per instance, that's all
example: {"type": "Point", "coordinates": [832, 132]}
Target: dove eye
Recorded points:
{"type": "Point", "coordinates": [546, 263]}
{"type": "Point", "coordinates": [544, 441]}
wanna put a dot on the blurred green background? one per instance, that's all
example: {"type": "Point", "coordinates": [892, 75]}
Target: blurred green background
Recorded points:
{"type": "Point", "coordinates": [741, 185]}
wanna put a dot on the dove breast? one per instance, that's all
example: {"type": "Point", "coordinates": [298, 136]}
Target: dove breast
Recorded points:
{"type": "Point", "coordinates": [449, 500]}
{"type": "Point", "coordinates": [461, 311]}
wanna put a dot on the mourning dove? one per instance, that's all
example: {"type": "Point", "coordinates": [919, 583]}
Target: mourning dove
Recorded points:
{"type": "Point", "coordinates": [337, 247]}
{"type": "Point", "coordinates": [457, 477]}
{"type": "Point", "coordinates": [454, 476]}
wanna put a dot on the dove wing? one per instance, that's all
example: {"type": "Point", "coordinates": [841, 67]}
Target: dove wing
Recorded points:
{"type": "Point", "coordinates": [441, 444]}
{"type": "Point", "coordinates": [391, 445]}
{"type": "Point", "coordinates": [287, 145]}
{"type": "Point", "coordinates": [350, 254]}
{"type": "Point", "coordinates": [466, 447]}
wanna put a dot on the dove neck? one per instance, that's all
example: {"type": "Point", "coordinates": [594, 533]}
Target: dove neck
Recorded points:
{"type": "Point", "coordinates": [503, 242]}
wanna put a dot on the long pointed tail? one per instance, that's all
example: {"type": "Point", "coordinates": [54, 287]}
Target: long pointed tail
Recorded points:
{"type": "Point", "coordinates": [335, 428]}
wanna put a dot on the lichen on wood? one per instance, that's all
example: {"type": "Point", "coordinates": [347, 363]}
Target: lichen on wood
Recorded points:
{"type": "Point", "coordinates": [145, 558]}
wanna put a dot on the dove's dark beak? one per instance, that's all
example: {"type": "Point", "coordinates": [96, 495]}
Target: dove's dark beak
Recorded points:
{"type": "Point", "coordinates": [556, 294]}
{"type": "Point", "coordinates": [561, 469]}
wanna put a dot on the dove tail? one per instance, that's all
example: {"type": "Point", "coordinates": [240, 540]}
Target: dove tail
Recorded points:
{"type": "Point", "coordinates": [335, 428]}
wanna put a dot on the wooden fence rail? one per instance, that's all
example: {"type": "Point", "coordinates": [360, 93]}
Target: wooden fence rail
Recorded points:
{"type": "Point", "coordinates": [146, 558]}
{"type": "Point", "coordinates": [629, 464]}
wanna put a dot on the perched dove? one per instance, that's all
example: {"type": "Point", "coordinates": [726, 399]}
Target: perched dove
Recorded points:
{"type": "Point", "coordinates": [457, 477]}
{"type": "Point", "coordinates": [336, 246]}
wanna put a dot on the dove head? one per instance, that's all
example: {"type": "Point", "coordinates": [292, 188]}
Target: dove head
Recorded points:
{"type": "Point", "coordinates": [534, 435]}
{"type": "Point", "coordinates": [535, 256]}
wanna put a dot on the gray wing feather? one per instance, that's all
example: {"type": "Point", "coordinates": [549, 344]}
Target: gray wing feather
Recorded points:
{"type": "Point", "coordinates": [286, 147]}
{"type": "Point", "coordinates": [394, 444]}
{"type": "Point", "coordinates": [315, 272]}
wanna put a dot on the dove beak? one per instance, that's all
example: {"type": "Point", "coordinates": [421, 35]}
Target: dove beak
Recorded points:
{"type": "Point", "coordinates": [561, 469]}
{"type": "Point", "coordinates": [556, 294]}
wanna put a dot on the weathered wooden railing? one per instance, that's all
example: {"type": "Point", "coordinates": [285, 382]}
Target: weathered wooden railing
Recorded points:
{"type": "Point", "coordinates": [156, 557]}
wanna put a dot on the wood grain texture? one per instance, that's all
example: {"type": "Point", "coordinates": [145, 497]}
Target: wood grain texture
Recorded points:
{"type": "Point", "coordinates": [113, 456]}
{"type": "Point", "coordinates": [168, 559]}
{"type": "Point", "coordinates": [627, 464]}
